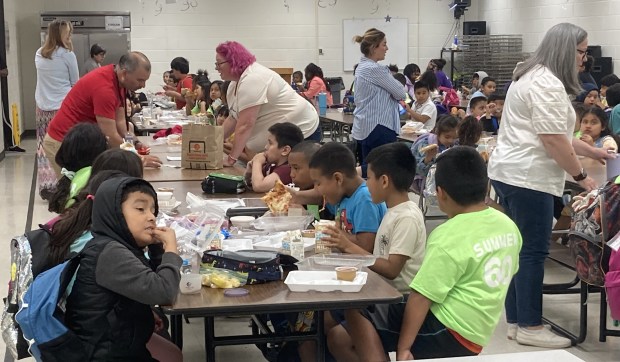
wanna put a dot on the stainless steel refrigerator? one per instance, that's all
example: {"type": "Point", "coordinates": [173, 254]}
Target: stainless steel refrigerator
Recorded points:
{"type": "Point", "coordinates": [111, 30]}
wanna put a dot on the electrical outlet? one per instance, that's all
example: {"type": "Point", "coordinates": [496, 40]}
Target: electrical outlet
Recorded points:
{"type": "Point", "coordinates": [320, 51]}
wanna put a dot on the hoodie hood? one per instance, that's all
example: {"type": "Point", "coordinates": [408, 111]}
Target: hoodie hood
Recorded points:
{"type": "Point", "coordinates": [107, 218]}
{"type": "Point", "coordinates": [481, 74]}
{"type": "Point", "coordinates": [587, 88]}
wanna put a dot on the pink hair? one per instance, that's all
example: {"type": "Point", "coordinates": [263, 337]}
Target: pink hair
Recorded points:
{"type": "Point", "coordinates": [236, 55]}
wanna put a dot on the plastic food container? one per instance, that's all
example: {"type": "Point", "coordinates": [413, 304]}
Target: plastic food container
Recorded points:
{"type": "Point", "coordinates": [269, 222]}
{"type": "Point", "coordinates": [274, 242]}
{"type": "Point", "coordinates": [330, 261]}
{"type": "Point", "coordinates": [237, 244]}
{"type": "Point", "coordinates": [323, 281]}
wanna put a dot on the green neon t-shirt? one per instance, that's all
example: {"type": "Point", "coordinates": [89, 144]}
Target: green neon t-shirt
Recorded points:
{"type": "Point", "coordinates": [469, 263]}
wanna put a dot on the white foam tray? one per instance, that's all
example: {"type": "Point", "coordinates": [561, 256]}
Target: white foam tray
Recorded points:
{"type": "Point", "coordinates": [323, 281]}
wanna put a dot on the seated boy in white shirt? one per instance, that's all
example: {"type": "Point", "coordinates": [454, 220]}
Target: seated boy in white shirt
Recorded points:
{"type": "Point", "coordinates": [424, 110]}
{"type": "Point", "coordinates": [399, 242]}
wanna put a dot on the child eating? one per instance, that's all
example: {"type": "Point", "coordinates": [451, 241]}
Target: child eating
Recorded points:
{"type": "Point", "coordinates": [266, 168]}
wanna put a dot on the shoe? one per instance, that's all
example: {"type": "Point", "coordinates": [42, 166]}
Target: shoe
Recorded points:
{"type": "Point", "coordinates": [511, 334]}
{"type": "Point", "coordinates": [541, 338]}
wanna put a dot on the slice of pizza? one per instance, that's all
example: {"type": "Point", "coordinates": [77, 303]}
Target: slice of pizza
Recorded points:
{"type": "Point", "coordinates": [278, 199]}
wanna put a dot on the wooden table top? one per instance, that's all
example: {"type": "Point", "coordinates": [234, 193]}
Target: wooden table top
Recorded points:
{"type": "Point", "coordinates": [276, 297]}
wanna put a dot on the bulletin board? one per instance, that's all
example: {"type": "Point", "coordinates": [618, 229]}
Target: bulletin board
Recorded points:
{"type": "Point", "coordinates": [395, 30]}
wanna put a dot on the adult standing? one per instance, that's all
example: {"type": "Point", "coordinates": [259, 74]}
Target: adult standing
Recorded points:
{"type": "Point", "coordinates": [57, 72]}
{"type": "Point", "coordinates": [377, 93]}
{"type": "Point", "coordinates": [436, 65]}
{"type": "Point", "coordinates": [535, 149]}
{"type": "Point", "coordinates": [180, 72]}
{"type": "Point", "coordinates": [258, 98]}
{"type": "Point", "coordinates": [316, 84]}
{"type": "Point", "coordinates": [100, 97]}
{"type": "Point", "coordinates": [97, 55]}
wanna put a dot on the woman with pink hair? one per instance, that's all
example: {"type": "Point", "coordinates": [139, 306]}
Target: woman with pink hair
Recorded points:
{"type": "Point", "coordinates": [258, 98]}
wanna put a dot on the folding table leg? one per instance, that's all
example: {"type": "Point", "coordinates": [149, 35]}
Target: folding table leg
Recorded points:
{"type": "Point", "coordinates": [320, 333]}
{"type": "Point", "coordinates": [176, 330]}
{"type": "Point", "coordinates": [209, 339]}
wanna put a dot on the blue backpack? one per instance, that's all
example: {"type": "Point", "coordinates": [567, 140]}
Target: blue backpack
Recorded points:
{"type": "Point", "coordinates": [41, 316]}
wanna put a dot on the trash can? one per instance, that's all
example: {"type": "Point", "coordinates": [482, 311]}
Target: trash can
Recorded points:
{"type": "Point", "coordinates": [335, 85]}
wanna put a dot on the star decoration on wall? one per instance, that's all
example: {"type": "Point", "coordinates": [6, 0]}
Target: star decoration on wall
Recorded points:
{"type": "Point", "coordinates": [388, 18]}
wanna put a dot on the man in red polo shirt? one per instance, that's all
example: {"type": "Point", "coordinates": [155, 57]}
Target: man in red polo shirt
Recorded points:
{"type": "Point", "coordinates": [98, 97]}
{"type": "Point", "coordinates": [180, 70]}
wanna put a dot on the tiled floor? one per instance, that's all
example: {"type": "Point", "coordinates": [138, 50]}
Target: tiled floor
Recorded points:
{"type": "Point", "coordinates": [16, 172]}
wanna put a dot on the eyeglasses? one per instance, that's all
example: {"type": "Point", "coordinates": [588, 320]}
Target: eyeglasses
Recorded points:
{"type": "Point", "coordinates": [217, 65]}
{"type": "Point", "coordinates": [583, 53]}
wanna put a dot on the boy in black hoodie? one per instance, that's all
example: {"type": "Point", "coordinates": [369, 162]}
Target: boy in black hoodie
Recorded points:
{"type": "Point", "coordinates": [109, 307]}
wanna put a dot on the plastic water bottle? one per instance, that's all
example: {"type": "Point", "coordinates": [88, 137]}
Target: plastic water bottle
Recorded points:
{"type": "Point", "coordinates": [322, 100]}
{"type": "Point", "coordinates": [455, 44]}
{"type": "Point", "coordinates": [186, 268]}
{"type": "Point", "coordinates": [129, 138]}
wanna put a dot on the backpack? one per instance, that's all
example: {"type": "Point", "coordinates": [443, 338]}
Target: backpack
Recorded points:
{"type": "Point", "coordinates": [41, 316]}
{"type": "Point", "coordinates": [418, 181]}
{"type": "Point", "coordinates": [595, 221]}
{"type": "Point", "coordinates": [28, 259]}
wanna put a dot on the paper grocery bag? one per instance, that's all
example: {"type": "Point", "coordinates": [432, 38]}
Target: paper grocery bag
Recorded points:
{"type": "Point", "coordinates": [203, 146]}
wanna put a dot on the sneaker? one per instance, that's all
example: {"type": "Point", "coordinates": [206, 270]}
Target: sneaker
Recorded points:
{"type": "Point", "coordinates": [511, 334]}
{"type": "Point", "coordinates": [541, 338]}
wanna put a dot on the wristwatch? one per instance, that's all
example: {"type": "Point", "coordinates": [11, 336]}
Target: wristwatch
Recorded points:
{"type": "Point", "coordinates": [582, 176]}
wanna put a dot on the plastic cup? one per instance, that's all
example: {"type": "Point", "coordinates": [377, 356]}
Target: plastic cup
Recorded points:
{"type": "Point", "coordinates": [346, 273]}
{"type": "Point", "coordinates": [191, 283]}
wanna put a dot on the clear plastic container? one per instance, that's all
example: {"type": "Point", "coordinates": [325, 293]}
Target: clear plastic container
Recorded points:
{"type": "Point", "coordinates": [270, 222]}
{"type": "Point", "coordinates": [331, 261]}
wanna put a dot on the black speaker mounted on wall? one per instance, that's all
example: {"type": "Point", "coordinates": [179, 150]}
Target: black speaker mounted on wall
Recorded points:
{"type": "Point", "coordinates": [474, 28]}
{"type": "Point", "coordinates": [602, 66]}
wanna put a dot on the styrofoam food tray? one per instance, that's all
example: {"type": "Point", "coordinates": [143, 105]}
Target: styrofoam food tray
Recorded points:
{"type": "Point", "coordinates": [274, 242]}
{"type": "Point", "coordinates": [323, 281]}
{"type": "Point", "coordinates": [237, 244]}
{"type": "Point", "coordinates": [269, 222]}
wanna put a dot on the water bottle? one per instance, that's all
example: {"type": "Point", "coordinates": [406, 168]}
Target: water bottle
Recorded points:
{"type": "Point", "coordinates": [186, 268]}
{"type": "Point", "coordinates": [322, 100]}
{"type": "Point", "coordinates": [129, 138]}
{"type": "Point", "coordinates": [455, 44]}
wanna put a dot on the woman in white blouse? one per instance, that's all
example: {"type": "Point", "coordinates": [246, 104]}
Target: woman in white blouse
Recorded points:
{"type": "Point", "coordinates": [534, 151]}
{"type": "Point", "coordinates": [258, 98]}
{"type": "Point", "coordinates": [57, 72]}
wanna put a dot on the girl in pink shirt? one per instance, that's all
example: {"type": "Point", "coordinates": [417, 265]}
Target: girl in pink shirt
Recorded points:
{"type": "Point", "coordinates": [316, 84]}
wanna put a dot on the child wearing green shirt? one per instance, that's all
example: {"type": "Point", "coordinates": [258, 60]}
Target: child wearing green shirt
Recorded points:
{"type": "Point", "coordinates": [458, 294]}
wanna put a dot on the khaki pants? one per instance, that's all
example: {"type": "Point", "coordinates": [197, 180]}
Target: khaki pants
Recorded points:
{"type": "Point", "coordinates": [51, 147]}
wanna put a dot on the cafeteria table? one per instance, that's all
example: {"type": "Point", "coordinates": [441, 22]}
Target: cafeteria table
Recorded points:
{"type": "Point", "coordinates": [271, 297]}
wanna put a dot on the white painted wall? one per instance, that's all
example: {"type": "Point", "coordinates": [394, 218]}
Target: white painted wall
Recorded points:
{"type": "Point", "coordinates": [280, 36]}
{"type": "Point", "coordinates": [532, 18]}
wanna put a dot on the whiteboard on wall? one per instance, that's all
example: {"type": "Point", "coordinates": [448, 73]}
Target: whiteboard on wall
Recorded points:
{"type": "Point", "coordinates": [395, 31]}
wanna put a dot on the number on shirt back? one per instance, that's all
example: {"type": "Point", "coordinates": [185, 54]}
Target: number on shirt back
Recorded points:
{"type": "Point", "coordinates": [498, 272]}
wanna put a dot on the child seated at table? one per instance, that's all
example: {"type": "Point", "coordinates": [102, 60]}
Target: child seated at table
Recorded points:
{"type": "Point", "coordinates": [478, 107]}
{"type": "Point", "coordinates": [458, 294]}
{"type": "Point", "coordinates": [266, 168]}
{"type": "Point", "coordinates": [594, 129]}
{"type": "Point", "coordinates": [424, 110]}
{"type": "Point", "coordinates": [493, 115]}
{"type": "Point", "coordinates": [589, 95]}
{"type": "Point", "coordinates": [487, 87]}
{"type": "Point", "coordinates": [332, 169]}
{"type": "Point", "coordinates": [399, 243]}
{"type": "Point", "coordinates": [444, 136]}
{"type": "Point", "coordinates": [469, 132]}
{"type": "Point", "coordinates": [115, 282]}
{"type": "Point", "coordinates": [222, 113]}
{"type": "Point", "coordinates": [215, 95]}
{"type": "Point", "coordinates": [196, 100]}
{"type": "Point", "coordinates": [613, 100]}
{"type": "Point", "coordinates": [298, 78]}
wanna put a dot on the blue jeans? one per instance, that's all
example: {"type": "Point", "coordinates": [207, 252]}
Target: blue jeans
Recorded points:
{"type": "Point", "coordinates": [532, 211]}
{"type": "Point", "coordinates": [379, 136]}
{"type": "Point", "coordinates": [316, 135]}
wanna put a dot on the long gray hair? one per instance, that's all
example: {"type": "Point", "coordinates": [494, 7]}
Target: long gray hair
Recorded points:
{"type": "Point", "coordinates": [557, 53]}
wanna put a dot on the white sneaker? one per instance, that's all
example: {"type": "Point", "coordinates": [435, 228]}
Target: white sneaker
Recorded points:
{"type": "Point", "coordinates": [541, 338]}
{"type": "Point", "coordinates": [511, 334]}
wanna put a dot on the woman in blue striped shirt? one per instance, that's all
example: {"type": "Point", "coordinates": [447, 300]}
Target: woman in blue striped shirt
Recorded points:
{"type": "Point", "coordinates": [377, 93]}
